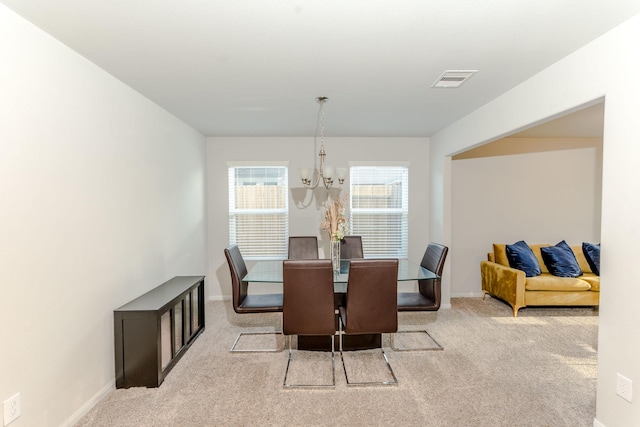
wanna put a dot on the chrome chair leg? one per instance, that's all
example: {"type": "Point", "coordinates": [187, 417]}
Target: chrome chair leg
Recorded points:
{"type": "Point", "coordinates": [258, 350]}
{"type": "Point", "coordinates": [437, 348]}
{"type": "Point", "coordinates": [366, 383]}
{"type": "Point", "coordinates": [333, 371]}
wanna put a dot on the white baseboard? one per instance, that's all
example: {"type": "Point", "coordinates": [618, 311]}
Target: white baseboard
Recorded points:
{"type": "Point", "coordinates": [467, 295]}
{"type": "Point", "coordinates": [597, 423]}
{"type": "Point", "coordinates": [445, 305]}
{"type": "Point", "coordinates": [84, 409]}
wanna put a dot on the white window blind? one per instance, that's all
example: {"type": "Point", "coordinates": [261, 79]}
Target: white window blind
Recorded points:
{"type": "Point", "coordinates": [259, 211]}
{"type": "Point", "coordinates": [379, 209]}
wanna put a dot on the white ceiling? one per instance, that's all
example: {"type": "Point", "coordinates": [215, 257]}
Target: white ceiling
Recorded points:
{"type": "Point", "coordinates": [254, 67]}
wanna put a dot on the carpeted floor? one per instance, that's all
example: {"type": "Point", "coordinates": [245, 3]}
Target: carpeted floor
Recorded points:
{"type": "Point", "coordinates": [538, 369]}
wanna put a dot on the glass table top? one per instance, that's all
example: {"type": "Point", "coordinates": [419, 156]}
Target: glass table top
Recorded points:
{"type": "Point", "coordinates": [271, 272]}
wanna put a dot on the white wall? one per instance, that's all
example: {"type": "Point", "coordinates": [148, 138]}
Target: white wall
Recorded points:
{"type": "Point", "coordinates": [583, 77]}
{"type": "Point", "coordinates": [541, 197]}
{"type": "Point", "coordinates": [305, 210]}
{"type": "Point", "coordinates": [101, 199]}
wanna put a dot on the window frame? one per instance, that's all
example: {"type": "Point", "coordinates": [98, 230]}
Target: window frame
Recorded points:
{"type": "Point", "coordinates": [403, 236]}
{"type": "Point", "coordinates": [234, 212]}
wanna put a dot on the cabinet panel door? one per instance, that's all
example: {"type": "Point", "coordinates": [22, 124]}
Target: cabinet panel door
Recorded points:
{"type": "Point", "coordinates": [178, 328]}
{"type": "Point", "coordinates": [188, 330]}
{"type": "Point", "coordinates": [195, 307]}
{"type": "Point", "coordinates": [165, 339]}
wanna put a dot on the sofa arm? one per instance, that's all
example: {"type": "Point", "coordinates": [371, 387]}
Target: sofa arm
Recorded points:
{"type": "Point", "coordinates": [503, 282]}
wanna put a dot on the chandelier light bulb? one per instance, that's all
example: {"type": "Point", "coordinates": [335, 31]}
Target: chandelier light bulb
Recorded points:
{"type": "Point", "coordinates": [342, 174]}
{"type": "Point", "coordinates": [329, 171]}
{"type": "Point", "coordinates": [305, 173]}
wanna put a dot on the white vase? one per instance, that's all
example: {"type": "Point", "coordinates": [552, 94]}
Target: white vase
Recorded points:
{"type": "Point", "coordinates": [335, 255]}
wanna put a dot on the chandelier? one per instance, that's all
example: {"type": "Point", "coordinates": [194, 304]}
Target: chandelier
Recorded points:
{"type": "Point", "coordinates": [311, 177]}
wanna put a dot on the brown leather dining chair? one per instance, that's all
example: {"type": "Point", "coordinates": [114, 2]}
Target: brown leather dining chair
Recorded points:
{"type": "Point", "coordinates": [303, 247]}
{"type": "Point", "coordinates": [308, 307]}
{"type": "Point", "coordinates": [243, 302]}
{"type": "Point", "coordinates": [351, 247]}
{"type": "Point", "coordinates": [428, 296]}
{"type": "Point", "coordinates": [371, 305]}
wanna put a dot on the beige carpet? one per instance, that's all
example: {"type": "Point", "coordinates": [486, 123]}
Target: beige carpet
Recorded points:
{"type": "Point", "coordinates": [535, 370]}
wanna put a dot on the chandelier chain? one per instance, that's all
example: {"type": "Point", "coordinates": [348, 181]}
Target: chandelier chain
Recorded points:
{"type": "Point", "coordinates": [322, 123]}
{"type": "Point", "coordinates": [311, 178]}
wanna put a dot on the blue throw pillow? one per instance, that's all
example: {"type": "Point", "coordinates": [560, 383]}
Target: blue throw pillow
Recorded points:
{"type": "Point", "coordinates": [560, 260]}
{"type": "Point", "coordinates": [521, 257]}
{"type": "Point", "coordinates": [592, 254]}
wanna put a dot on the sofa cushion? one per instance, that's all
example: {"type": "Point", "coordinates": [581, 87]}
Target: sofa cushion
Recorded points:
{"type": "Point", "coordinates": [536, 251]}
{"type": "Point", "coordinates": [560, 260]}
{"type": "Point", "coordinates": [592, 255]}
{"type": "Point", "coordinates": [549, 282]}
{"type": "Point", "coordinates": [582, 261]}
{"type": "Point", "coordinates": [593, 280]}
{"type": "Point", "coordinates": [500, 254]}
{"type": "Point", "coordinates": [521, 257]}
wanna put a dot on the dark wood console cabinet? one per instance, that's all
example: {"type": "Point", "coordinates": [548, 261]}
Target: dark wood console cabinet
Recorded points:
{"type": "Point", "coordinates": [153, 331]}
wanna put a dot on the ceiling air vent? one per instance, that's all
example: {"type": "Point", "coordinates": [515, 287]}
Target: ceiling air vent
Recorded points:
{"type": "Point", "coordinates": [453, 78]}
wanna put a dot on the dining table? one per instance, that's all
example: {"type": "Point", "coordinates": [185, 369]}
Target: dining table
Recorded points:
{"type": "Point", "coordinates": [270, 271]}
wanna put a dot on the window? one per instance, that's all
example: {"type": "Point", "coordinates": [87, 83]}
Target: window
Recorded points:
{"type": "Point", "coordinates": [379, 209]}
{"type": "Point", "coordinates": [259, 211]}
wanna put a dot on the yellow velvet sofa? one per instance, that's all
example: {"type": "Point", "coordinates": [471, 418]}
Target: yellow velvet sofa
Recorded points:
{"type": "Point", "coordinates": [512, 286]}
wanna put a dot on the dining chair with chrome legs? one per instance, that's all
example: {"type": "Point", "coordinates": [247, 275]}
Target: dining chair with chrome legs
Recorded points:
{"type": "Point", "coordinates": [429, 293]}
{"type": "Point", "coordinates": [308, 307]}
{"type": "Point", "coordinates": [243, 302]}
{"type": "Point", "coordinates": [371, 306]}
{"type": "Point", "coordinates": [351, 247]}
{"type": "Point", "coordinates": [303, 247]}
